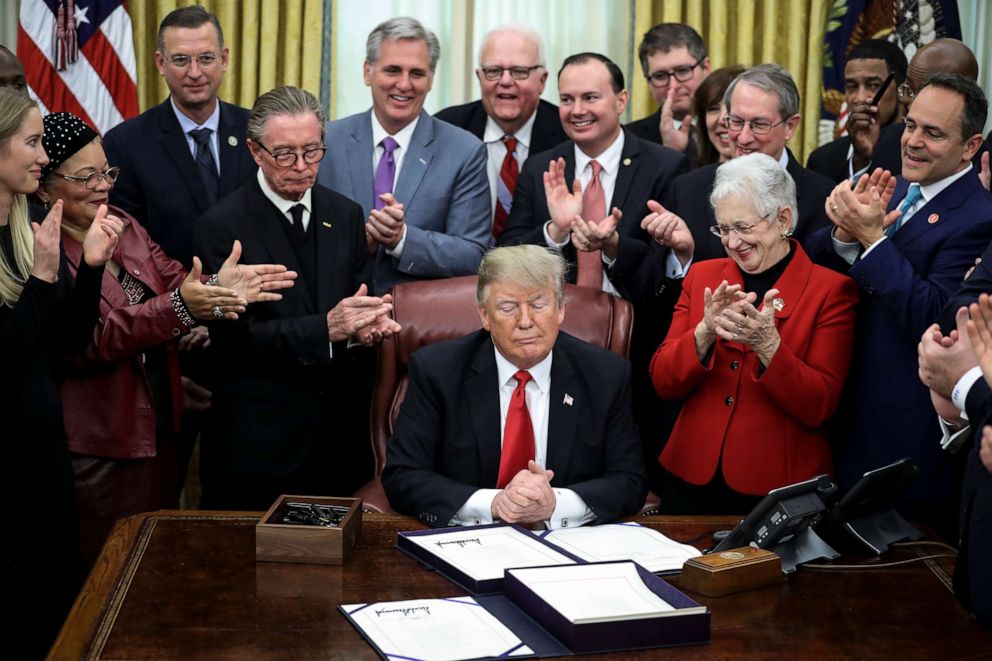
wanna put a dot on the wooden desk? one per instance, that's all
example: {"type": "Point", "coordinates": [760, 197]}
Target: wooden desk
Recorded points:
{"type": "Point", "coordinates": [185, 585]}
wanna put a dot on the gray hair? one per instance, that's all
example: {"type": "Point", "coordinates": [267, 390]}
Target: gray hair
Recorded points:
{"type": "Point", "coordinates": [760, 179]}
{"type": "Point", "coordinates": [402, 27]}
{"type": "Point", "coordinates": [524, 31]}
{"type": "Point", "coordinates": [529, 266]}
{"type": "Point", "coordinates": [283, 100]}
{"type": "Point", "coordinates": [770, 78]}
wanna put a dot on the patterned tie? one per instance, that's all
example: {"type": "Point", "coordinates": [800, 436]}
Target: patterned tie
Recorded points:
{"type": "Point", "coordinates": [205, 163]}
{"type": "Point", "coordinates": [506, 186]}
{"type": "Point", "coordinates": [297, 212]}
{"type": "Point", "coordinates": [593, 211]}
{"type": "Point", "coordinates": [385, 172]}
{"type": "Point", "coordinates": [518, 434]}
{"type": "Point", "coordinates": [912, 197]}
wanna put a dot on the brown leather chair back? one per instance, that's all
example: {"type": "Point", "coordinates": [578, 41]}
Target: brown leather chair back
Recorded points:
{"type": "Point", "coordinates": [435, 310]}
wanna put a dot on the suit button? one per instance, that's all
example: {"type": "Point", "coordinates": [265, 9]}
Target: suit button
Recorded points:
{"type": "Point", "coordinates": [734, 364]}
{"type": "Point", "coordinates": [729, 401]}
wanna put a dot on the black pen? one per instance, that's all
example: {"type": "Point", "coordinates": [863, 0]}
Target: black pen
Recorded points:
{"type": "Point", "coordinates": [881, 90]}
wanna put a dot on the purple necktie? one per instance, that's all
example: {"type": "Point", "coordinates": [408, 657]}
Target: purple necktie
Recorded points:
{"type": "Point", "coordinates": [385, 173]}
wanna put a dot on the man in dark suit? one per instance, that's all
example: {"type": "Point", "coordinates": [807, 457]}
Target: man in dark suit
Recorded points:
{"type": "Point", "coordinates": [179, 157]}
{"type": "Point", "coordinates": [628, 172]}
{"type": "Point", "coordinates": [422, 182]}
{"type": "Point", "coordinates": [907, 264]}
{"type": "Point", "coordinates": [673, 58]}
{"type": "Point", "coordinates": [517, 422]}
{"type": "Point", "coordinates": [511, 113]}
{"type": "Point", "coordinates": [288, 402]}
{"type": "Point", "coordinates": [868, 65]}
{"type": "Point", "coordinates": [763, 107]}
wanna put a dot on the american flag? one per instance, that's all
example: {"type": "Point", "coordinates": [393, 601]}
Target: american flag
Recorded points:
{"type": "Point", "coordinates": [78, 57]}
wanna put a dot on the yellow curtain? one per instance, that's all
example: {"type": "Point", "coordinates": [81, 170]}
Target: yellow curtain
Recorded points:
{"type": "Point", "coordinates": [271, 42]}
{"type": "Point", "coordinates": [748, 32]}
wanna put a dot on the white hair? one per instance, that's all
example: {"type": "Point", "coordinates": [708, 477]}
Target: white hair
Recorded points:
{"type": "Point", "coordinates": [516, 28]}
{"type": "Point", "coordinates": [759, 178]}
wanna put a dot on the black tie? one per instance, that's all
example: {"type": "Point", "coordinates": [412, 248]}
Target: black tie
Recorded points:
{"type": "Point", "coordinates": [205, 163]}
{"type": "Point", "coordinates": [297, 211]}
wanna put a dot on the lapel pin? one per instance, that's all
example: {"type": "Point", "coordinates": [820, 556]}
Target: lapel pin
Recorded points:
{"type": "Point", "coordinates": [231, 140]}
{"type": "Point", "coordinates": [626, 161]}
{"type": "Point", "coordinates": [568, 400]}
{"type": "Point", "coordinates": [326, 224]}
{"type": "Point", "coordinates": [778, 304]}
{"type": "Point", "coordinates": [933, 218]}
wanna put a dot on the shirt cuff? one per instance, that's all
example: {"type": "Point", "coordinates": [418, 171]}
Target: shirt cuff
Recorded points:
{"type": "Point", "coordinates": [872, 247]}
{"type": "Point", "coordinates": [674, 268]}
{"type": "Point", "coordinates": [477, 510]}
{"type": "Point", "coordinates": [570, 511]}
{"type": "Point", "coordinates": [551, 242]}
{"type": "Point", "coordinates": [952, 440]}
{"type": "Point", "coordinates": [846, 251]}
{"type": "Point", "coordinates": [330, 350]}
{"type": "Point", "coordinates": [959, 395]}
{"type": "Point", "coordinates": [397, 250]}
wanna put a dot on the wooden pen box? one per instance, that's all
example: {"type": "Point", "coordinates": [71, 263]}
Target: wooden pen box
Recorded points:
{"type": "Point", "coordinates": [281, 542]}
{"type": "Point", "coordinates": [730, 571]}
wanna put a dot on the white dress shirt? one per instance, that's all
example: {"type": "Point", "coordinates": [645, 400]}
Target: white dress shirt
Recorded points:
{"type": "Point", "coordinates": [187, 125]}
{"type": "Point", "coordinates": [402, 138]}
{"type": "Point", "coordinates": [570, 510]}
{"type": "Point", "coordinates": [496, 150]}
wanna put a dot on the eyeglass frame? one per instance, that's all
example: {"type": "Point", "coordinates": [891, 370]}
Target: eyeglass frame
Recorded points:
{"type": "Point", "coordinates": [651, 78]}
{"type": "Point", "coordinates": [486, 70]}
{"type": "Point", "coordinates": [729, 119]}
{"type": "Point", "coordinates": [214, 58]}
{"type": "Point", "coordinates": [905, 91]}
{"type": "Point", "coordinates": [295, 154]}
{"type": "Point", "coordinates": [740, 229]}
{"type": "Point", "coordinates": [100, 175]}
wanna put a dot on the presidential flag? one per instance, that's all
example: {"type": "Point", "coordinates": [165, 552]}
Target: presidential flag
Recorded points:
{"type": "Point", "coordinates": [78, 57]}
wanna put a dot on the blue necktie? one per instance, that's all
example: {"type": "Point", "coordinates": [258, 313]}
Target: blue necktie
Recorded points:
{"type": "Point", "coordinates": [912, 197]}
{"type": "Point", "coordinates": [205, 163]}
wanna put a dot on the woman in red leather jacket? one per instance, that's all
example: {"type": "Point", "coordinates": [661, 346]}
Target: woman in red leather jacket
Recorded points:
{"type": "Point", "coordinates": [122, 395]}
{"type": "Point", "coordinates": [759, 348]}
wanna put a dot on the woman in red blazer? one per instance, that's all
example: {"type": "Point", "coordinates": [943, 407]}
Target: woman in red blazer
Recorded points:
{"type": "Point", "coordinates": [759, 348]}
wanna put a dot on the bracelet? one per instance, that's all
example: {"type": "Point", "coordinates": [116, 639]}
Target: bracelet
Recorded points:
{"type": "Point", "coordinates": [179, 307]}
{"type": "Point", "coordinates": [212, 280]}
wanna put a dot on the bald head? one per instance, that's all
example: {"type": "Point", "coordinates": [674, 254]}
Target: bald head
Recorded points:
{"type": "Point", "coordinates": [939, 56]}
{"type": "Point", "coordinates": [11, 71]}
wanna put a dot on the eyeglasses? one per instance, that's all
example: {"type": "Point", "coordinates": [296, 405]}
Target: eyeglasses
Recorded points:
{"type": "Point", "coordinates": [738, 228]}
{"type": "Point", "coordinates": [93, 179]}
{"type": "Point", "coordinates": [517, 73]}
{"type": "Point", "coordinates": [758, 126]}
{"type": "Point", "coordinates": [906, 91]}
{"type": "Point", "coordinates": [203, 60]}
{"type": "Point", "coordinates": [681, 74]}
{"type": "Point", "coordinates": [287, 159]}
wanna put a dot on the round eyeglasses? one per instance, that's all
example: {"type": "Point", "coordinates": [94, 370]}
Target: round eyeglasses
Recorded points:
{"type": "Point", "coordinates": [287, 159]}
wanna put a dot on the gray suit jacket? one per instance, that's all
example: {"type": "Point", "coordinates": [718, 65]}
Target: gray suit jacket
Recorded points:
{"type": "Point", "coordinates": [442, 185]}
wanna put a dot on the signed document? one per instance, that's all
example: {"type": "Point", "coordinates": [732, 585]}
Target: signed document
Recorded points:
{"type": "Point", "coordinates": [437, 629]}
{"type": "Point", "coordinates": [624, 541]}
{"type": "Point", "coordinates": [585, 594]}
{"type": "Point", "coordinates": [483, 553]}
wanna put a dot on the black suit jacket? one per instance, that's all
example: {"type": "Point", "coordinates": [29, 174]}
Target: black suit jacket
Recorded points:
{"type": "Point", "coordinates": [159, 182]}
{"type": "Point", "coordinates": [647, 128]}
{"type": "Point", "coordinates": [830, 159]}
{"type": "Point", "coordinates": [447, 439]}
{"type": "Point", "coordinates": [690, 199]}
{"type": "Point", "coordinates": [646, 171]}
{"type": "Point", "coordinates": [547, 131]}
{"type": "Point", "coordinates": [276, 372]}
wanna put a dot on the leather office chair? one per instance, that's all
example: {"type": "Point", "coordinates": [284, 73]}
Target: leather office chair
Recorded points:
{"type": "Point", "coordinates": [435, 310]}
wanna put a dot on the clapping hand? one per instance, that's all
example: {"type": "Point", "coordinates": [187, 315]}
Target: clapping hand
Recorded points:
{"type": "Point", "coordinates": [253, 282]}
{"type": "Point", "coordinates": [47, 245]}
{"type": "Point", "coordinates": [385, 226]}
{"type": "Point", "coordinates": [205, 301]}
{"type": "Point", "coordinates": [589, 237]}
{"type": "Point", "coordinates": [859, 213]}
{"type": "Point", "coordinates": [352, 315]}
{"type": "Point", "coordinates": [564, 203]}
{"type": "Point", "coordinates": [669, 230]}
{"type": "Point", "coordinates": [746, 324]}
{"type": "Point", "coordinates": [101, 237]}
{"type": "Point", "coordinates": [714, 302]}
{"type": "Point", "coordinates": [980, 334]}
{"type": "Point", "coordinates": [383, 328]}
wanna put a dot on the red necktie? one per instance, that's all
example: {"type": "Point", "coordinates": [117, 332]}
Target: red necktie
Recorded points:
{"type": "Point", "coordinates": [518, 434]}
{"type": "Point", "coordinates": [506, 186]}
{"type": "Point", "coordinates": [593, 211]}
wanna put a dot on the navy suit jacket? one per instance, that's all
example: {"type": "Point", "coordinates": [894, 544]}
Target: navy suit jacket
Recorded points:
{"type": "Point", "coordinates": [904, 282]}
{"type": "Point", "coordinates": [690, 199]}
{"type": "Point", "coordinates": [278, 377]}
{"type": "Point", "coordinates": [442, 184]}
{"type": "Point", "coordinates": [447, 439]}
{"type": "Point", "coordinates": [830, 159]}
{"type": "Point", "coordinates": [646, 171]}
{"type": "Point", "coordinates": [159, 182]}
{"type": "Point", "coordinates": [546, 133]}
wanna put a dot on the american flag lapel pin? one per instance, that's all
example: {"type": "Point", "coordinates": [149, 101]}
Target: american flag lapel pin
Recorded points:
{"type": "Point", "coordinates": [568, 400]}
